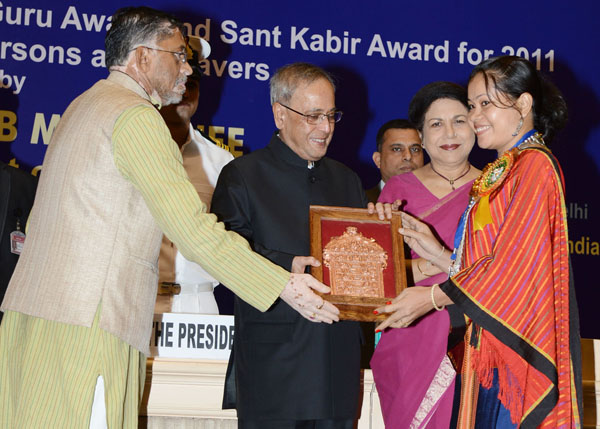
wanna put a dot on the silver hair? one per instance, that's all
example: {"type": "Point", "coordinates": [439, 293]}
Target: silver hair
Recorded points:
{"type": "Point", "coordinates": [285, 81]}
{"type": "Point", "coordinates": [135, 26]}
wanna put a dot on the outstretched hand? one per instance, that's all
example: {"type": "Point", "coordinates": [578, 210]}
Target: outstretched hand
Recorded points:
{"type": "Point", "coordinates": [298, 294]}
{"type": "Point", "coordinates": [419, 237]}
{"type": "Point", "coordinates": [407, 307]}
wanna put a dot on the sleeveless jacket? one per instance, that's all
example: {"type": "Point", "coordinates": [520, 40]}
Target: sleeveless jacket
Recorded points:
{"type": "Point", "coordinates": [91, 237]}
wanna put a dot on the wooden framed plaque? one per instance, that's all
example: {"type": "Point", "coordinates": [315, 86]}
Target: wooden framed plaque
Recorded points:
{"type": "Point", "coordinates": [362, 259]}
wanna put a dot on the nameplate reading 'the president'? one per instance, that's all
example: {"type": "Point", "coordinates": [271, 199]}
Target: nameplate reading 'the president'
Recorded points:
{"type": "Point", "coordinates": [192, 336]}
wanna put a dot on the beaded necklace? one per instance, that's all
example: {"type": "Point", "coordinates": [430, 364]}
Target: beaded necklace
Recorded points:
{"type": "Point", "coordinates": [492, 176]}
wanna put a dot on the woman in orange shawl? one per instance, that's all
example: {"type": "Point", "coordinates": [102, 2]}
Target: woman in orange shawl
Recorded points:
{"type": "Point", "coordinates": [510, 271]}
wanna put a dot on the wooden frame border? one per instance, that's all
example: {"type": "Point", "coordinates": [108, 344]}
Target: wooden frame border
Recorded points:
{"type": "Point", "coordinates": [356, 307]}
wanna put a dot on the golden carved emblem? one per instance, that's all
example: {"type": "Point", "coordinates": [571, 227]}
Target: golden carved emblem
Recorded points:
{"type": "Point", "coordinates": [356, 264]}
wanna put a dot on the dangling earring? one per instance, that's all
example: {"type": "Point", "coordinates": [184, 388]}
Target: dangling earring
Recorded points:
{"type": "Point", "coordinates": [518, 127]}
{"type": "Point", "coordinates": [422, 146]}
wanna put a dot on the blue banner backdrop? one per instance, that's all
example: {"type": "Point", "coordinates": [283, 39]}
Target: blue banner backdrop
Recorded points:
{"type": "Point", "coordinates": [380, 52]}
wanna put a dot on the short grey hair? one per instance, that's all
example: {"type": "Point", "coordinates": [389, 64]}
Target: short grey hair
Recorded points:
{"type": "Point", "coordinates": [286, 80]}
{"type": "Point", "coordinates": [135, 26]}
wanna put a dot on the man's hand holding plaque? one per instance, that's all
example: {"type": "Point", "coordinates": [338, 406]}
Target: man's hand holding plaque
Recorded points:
{"type": "Point", "coordinates": [298, 294]}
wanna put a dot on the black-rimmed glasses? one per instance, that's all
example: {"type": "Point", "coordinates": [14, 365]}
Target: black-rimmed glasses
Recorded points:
{"type": "Point", "coordinates": [317, 118]}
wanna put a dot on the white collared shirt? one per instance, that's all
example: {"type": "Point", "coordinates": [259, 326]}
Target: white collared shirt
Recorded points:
{"type": "Point", "coordinates": [203, 161]}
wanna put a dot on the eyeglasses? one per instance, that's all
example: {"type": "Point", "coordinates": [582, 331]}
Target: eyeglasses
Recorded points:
{"type": "Point", "coordinates": [180, 55]}
{"type": "Point", "coordinates": [317, 118]}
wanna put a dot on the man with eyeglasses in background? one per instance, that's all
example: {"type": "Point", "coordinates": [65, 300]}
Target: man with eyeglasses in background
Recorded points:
{"type": "Point", "coordinates": [286, 372]}
{"type": "Point", "coordinates": [80, 303]}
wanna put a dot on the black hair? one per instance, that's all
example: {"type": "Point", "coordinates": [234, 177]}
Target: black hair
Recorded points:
{"type": "Point", "coordinates": [194, 62]}
{"type": "Point", "coordinates": [394, 124]}
{"type": "Point", "coordinates": [424, 98]}
{"type": "Point", "coordinates": [513, 76]}
{"type": "Point", "coordinates": [134, 26]}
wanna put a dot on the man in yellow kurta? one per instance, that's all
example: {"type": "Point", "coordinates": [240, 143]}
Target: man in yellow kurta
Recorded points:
{"type": "Point", "coordinates": [79, 305]}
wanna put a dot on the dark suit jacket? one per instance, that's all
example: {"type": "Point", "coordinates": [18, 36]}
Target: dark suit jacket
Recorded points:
{"type": "Point", "coordinates": [17, 190]}
{"type": "Point", "coordinates": [287, 367]}
{"type": "Point", "coordinates": [373, 193]}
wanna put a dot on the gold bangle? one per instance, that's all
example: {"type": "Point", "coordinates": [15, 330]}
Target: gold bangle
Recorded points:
{"type": "Point", "coordinates": [433, 299]}
{"type": "Point", "coordinates": [441, 253]}
{"type": "Point", "coordinates": [420, 270]}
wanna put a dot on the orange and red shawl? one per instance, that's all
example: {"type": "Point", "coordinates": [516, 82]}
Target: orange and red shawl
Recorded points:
{"type": "Point", "coordinates": [517, 294]}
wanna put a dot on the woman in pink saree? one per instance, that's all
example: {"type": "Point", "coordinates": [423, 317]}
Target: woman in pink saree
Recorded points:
{"type": "Point", "coordinates": [413, 374]}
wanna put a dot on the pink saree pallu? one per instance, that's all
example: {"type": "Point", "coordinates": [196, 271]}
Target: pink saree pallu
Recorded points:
{"type": "Point", "coordinates": [413, 374]}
